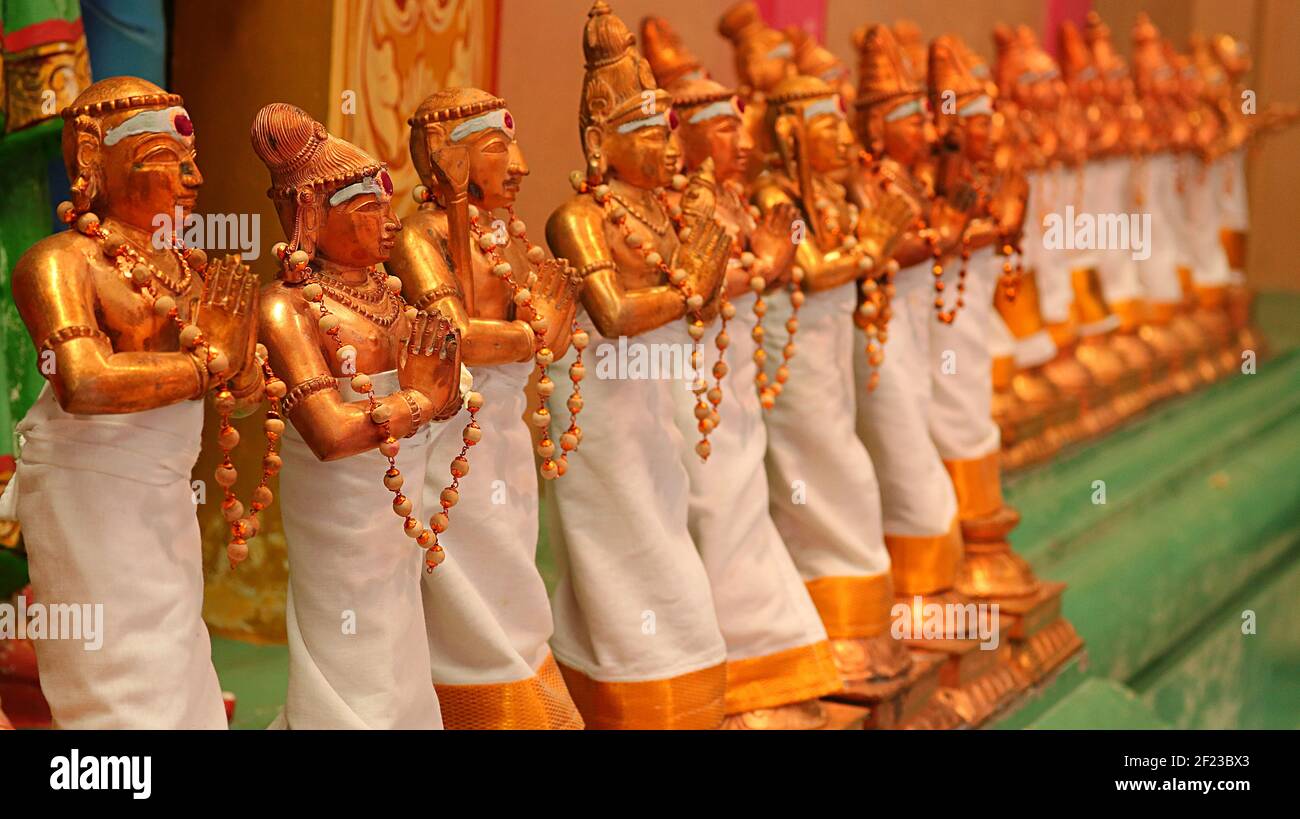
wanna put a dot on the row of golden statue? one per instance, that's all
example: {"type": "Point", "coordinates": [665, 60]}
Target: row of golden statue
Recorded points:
{"type": "Point", "coordinates": [874, 315]}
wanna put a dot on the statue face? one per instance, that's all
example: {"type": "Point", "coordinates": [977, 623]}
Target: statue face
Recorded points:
{"type": "Point", "coordinates": [723, 138]}
{"type": "Point", "coordinates": [829, 143]}
{"type": "Point", "coordinates": [645, 158]}
{"type": "Point", "coordinates": [980, 136]}
{"type": "Point", "coordinates": [909, 139]}
{"type": "Point", "coordinates": [496, 169]}
{"type": "Point", "coordinates": [358, 232]}
{"type": "Point", "coordinates": [146, 174]}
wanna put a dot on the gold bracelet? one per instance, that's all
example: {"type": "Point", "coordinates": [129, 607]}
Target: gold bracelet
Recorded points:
{"type": "Point", "coordinates": [64, 334]}
{"type": "Point", "coordinates": [595, 267]}
{"type": "Point", "coordinates": [442, 291]}
{"type": "Point", "coordinates": [312, 385]}
{"type": "Point", "coordinates": [201, 370]}
{"type": "Point", "coordinates": [243, 393]}
{"type": "Point", "coordinates": [414, 406]}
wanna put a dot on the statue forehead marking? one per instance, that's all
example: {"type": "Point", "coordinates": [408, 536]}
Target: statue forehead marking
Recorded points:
{"type": "Point", "coordinates": [174, 121]}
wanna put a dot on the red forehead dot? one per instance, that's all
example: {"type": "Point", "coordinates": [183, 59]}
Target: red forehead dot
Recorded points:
{"type": "Point", "coordinates": [839, 102]}
{"type": "Point", "coordinates": [510, 121]}
{"type": "Point", "coordinates": [387, 182]}
{"type": "Point", "coordinates": [183, 125]}
{"type": "Point", "coordinates": [740, 104]}
{"type": "Point", "coordinates": [672, 118]}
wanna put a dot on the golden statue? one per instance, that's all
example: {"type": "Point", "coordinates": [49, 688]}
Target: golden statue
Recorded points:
{"type": "Point", "coordinates": [778, 657]}
{"type": "Point", "coordinates": [837, 543]}
{"type": "Point", "coordinates": [465, 253]}
{"type": "Point", "coordinates": [132, 329]}
{"type": "Point", "coordinates": [763, 58]}
{"type": "Point", "coordinates": [367, 375]}
{"type": "Point", "coordinates": [629, 567]}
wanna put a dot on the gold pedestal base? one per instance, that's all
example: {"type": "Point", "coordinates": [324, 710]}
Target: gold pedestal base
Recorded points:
{"type": "Point", "coordinates": [916, 704]}
{"type": "Point", "coordinates": [810, 715]}
{"type": "Point", "coordinates": [991, 569]}
{"type": "Point", "coordinates": [975, 682]}
{"type": "Point", "coordinates": [1041, 639]}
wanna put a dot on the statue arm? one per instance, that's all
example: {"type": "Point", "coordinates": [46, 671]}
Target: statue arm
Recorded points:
{"type": "Point", "coordinates": [54, 294]}
{"type": "Point", "coordinates": [429, 283]}
{"type": "Point", "coordinates": [575, 232]}
{"type": "Point", "coordinates": [822, 271]}
{"type": "Point", "coordinates": [331, 427]}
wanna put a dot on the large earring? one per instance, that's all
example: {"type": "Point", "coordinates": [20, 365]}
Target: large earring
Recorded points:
{"type": "Point", "coordinates": [595, 168]}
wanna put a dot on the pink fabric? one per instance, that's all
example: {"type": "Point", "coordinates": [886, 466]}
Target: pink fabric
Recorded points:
{"type": "Point", "coordinates": [810, 15]}
{"type": "Point", "coordinates": [1057, 12]}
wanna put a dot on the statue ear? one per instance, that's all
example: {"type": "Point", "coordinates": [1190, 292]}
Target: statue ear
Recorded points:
{"type": "Point", "coordinates": [87, 162]}
{"type": "Point", "coordinates": [592, 140]}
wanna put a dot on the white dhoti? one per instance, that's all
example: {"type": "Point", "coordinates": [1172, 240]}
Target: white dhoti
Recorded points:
{"type": "Point", "coordinates": [485, 607]}
{"type": "Point", "coordinates": [635, 630]}
{"type": "Point", "coordinates": [893, 420]}
{"type": "Point", "coordinates": [1210, 267]}
{"type": "Point", "coordinates": [1109, 193]}
{"type": "Point", "coordinates": [358, 655]}
{"type": "Point", "coordinates": [108, 518]}
{"type": "Point", "coordinates": [777, 652]}
{"type": "Point", "coordinates": [823, 493]}
{"type": "Point", "coordinates": [961, 379]}
{"type": "Point", "coordinates": [1159, 272]}
{"type": "Point", "coordinates": [1045, 249]}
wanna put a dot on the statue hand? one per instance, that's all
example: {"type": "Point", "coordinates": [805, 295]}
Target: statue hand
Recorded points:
{"type": "Point", "coordinates": [880, 228]}
{"type": "Point", "coordinates": [227, 313]}
{"type": "Point", "coordinates": [704, 257]}
{"type": "Point", "coordinates": [554, 300]}
{"type": "Point", "coordinates": [451, 168]}
{"type": "Point", "coordinates": [773, 240]}
{"type": "Point", "coordinates": [430, 361]}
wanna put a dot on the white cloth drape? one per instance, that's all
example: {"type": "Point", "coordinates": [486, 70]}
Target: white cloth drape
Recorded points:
{"type": "Point", "coordinates": [358, 654]}
{"type": "Point", "coordinates": [1159, 272]}
{"type": "Point", "coordinates": [824, 496]}
{"type": "Point", "coordinates": [108, 518]}
{"type": "Point", "coordinates": [894, 419]}
{"type": "Point", "coordinates": [632, 602]}
{"type": "Point", "coordinates": [485, 608]}
{"type": "Point", "coordinates": [961, 368]}
{"type": "Point", "coordinates": [762, 604]}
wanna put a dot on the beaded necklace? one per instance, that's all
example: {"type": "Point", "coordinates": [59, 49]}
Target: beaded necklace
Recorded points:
{"type": "Point", "coordinates": [426, 538]}
{"type": "Point", "coordinates": [145, 277]}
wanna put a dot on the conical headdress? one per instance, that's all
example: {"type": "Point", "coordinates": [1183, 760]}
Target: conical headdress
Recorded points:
{"type": "Point", "coordinates": [912, 45]}
{"type": "Point", "coordinates": [1097, 33]}
{"type": "Point", "coordinates": [1149, 62]}
{"type": "Point", "coordinates": [616, 74]}
{"type": "Point", "coordinates": [753, 40]}
{"type": "Point", "coordinates": [670, 60]}
{"type": "Point", "coordinates": [1076, 58]}
{"type": "Point", "coordinates": [883, 76]}
{"type": "Point", "coordinates": [306, 163]}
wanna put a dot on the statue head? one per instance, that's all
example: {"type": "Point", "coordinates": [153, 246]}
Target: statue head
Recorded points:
{"type": "Point", "coordinates": [625, 120]}
{"type": "Point", "coordinates": [1025, 72]}
{"type": "Point", "coordinates": [670, 60]}
{"type": "Point", "coordinates": [713, 127]}
{"type": "Point", "coordinates": [482, 124]}
{"type": "Point", "coordinates": [764, 57]}
{"type": "Point", "coordinates": [128, 146]}
{"type": "Point", "coordinates": [1233, 54]}
{"type": "Point", "coordinates": [1112, 71]}
{"type": "Point", "coordinates": [334, 200]}
{"type": "Point", "coordinates": [962, 103]}
{"type": "Point", "coordinates": [1152, 73]}
{"type": "Point", "coordinates": [815, 60]}
{"type": "Point", "coordinates": [892, 115]}
{"type": "Point", "coordinates": [1077, 66]}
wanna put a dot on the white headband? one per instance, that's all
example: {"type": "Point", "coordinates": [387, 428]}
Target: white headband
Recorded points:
{"type": "Point", "coordinates": [157, 121]}
{"type": "Point", "coordinates": [721, 108]}
{"type": "Point", "coordinates": [499, 119]}
{"type": "Point", "coordinates": [369, 184]}
{"type": "Point", "coordinates": [645, 122]}
{"type": "Point", "coordinates": [980, 106]}
{"type": "Point", "coordinates": [1035, 76]}
{"type": "Point", "coordinates": [906, 110]}
{"type": "Point", "coordinates": [829, 105]}
{"type": "Point", "coordinates": [783, 50]}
